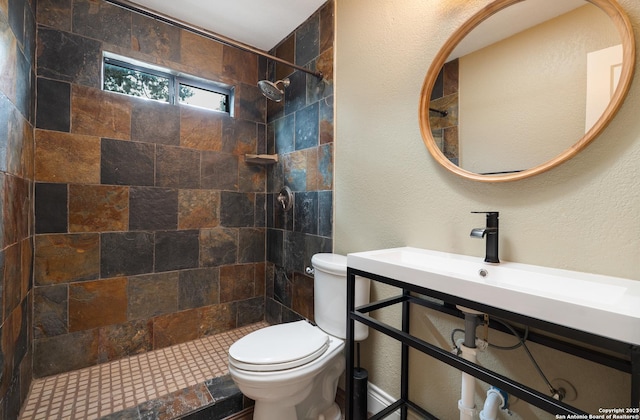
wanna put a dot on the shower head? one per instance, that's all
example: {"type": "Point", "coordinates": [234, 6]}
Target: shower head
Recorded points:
{"type": "Point", "coordinates": [271, 90]}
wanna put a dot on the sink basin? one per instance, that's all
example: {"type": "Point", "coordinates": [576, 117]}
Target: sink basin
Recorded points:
{"type": "Point", "coordinates": [598, 304]}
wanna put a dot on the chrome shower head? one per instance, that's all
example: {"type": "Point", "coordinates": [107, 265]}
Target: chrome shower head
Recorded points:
{"type": "Point", "coordinates": [271, 90]}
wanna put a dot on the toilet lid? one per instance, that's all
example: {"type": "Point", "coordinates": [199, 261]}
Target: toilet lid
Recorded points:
{"type": "Point", "coordinates": [279, 347]}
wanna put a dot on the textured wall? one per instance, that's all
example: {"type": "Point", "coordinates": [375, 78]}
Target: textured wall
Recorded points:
{"type": "Point", "coordinates": [150, 228]}
{"type": "Point", "coordinates": [17, 61]}
{"type": "Point", "coordinates": [390, 192]}
{"type": "Point", "coordinates": [300, 131]}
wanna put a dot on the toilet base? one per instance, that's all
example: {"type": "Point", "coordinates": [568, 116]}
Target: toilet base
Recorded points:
{"type": "Point", "coordinates": [266, 410]}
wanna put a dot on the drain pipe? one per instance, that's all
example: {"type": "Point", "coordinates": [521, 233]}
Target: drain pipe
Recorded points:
{"type": "Point", "coordinates": [466, 404]}
{"type": "Point", "coordinates": [496, 400]}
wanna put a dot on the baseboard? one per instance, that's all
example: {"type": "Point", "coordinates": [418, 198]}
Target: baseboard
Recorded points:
{"type": "Point", "coordinates": [378, 400]}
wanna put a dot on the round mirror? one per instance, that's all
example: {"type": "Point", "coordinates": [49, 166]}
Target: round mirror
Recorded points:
{"type": "Point", "coordinates": [524, 85]}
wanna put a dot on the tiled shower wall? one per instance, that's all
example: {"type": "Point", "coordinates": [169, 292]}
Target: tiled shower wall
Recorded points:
{"type": "Point", "coordinates": [150, 228]}
{"type": "Point", "coordinates": [17, 58]}
{"type": "Point", "coordinates": [300, 131]}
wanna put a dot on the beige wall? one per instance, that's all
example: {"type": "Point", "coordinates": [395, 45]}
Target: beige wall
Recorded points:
{"type": "Point", "coordinates": [390, 192]}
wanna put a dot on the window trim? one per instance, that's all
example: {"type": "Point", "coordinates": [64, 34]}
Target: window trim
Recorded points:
{"type": "Point", "coordinates": [175, 79]}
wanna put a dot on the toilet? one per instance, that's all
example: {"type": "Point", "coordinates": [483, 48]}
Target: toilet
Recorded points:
{"type": "Point", "coordinates": [291, 370]}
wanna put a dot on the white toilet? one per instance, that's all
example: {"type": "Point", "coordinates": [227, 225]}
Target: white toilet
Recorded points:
{"type": "Point", "coordinates": [292, 370]}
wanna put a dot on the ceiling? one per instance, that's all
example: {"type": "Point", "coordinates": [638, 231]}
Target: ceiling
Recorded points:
{"type": "Point", "coordinates": [259, 23]}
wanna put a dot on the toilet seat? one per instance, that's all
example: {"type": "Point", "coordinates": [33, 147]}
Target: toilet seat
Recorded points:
{"type": "Point", "coordinates": [279, 347]}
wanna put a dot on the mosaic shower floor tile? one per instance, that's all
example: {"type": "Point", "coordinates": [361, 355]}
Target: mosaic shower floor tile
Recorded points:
{"type": "Point", "coordinates": [101, 390]}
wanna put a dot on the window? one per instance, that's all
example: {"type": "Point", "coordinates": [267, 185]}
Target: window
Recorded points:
{"type": "Point", "coordinates": [146, 81]}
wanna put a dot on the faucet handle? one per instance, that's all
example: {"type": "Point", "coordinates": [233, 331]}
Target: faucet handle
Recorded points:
{"type": "Point", "coordinates": [492, 217]}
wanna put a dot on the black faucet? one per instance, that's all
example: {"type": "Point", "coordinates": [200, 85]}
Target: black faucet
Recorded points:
{"type": "Point", "coordinates": [491, 232]}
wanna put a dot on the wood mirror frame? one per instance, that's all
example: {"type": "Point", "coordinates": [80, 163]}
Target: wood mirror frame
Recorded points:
{"type": "Point", "coordinates": [621, 22]}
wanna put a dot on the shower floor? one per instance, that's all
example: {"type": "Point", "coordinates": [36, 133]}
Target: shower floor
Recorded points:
{"type": "Point", "coordinates": [157, 383]}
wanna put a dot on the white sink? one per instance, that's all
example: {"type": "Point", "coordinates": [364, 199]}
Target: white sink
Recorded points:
{"type": "Point", "coordinates": [602, 305]}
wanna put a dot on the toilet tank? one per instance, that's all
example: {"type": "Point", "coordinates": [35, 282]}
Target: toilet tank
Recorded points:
{"type": "Point", "coordinates": [330, 295]}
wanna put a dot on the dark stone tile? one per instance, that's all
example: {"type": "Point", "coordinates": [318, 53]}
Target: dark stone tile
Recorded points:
{"type": "Point", "coordinates": [326, 121]}
{"type": "Point", "coordinates": [201, 129]}
{"type": "Point", "coordinates": [68, 57]}
{"type": "Point", "coordinates": [64, 353]}
{"type": "Point", "coordinates": [219, 171]}
{"type": "Point", "coordinates": [16, 18]}
{"type": "Point", "coordinates": [294, 244]}
{"type": "Point", "coordinates": [261, 210]}
{"type": "Point", "coordinates": [218, 318]}
{"type": "Point", "coordinates": [251, 247]}
{"type": "Point", "coordinates": [153, 208]}
{"type": "Point", "coordinates": [325, 213]}
{"type": "Point", "coordinates": [252, 178]}
{"type": "Point", "coordinates": [12, 281]}
{"type": "Point", "coordinates": [7, 118]}
{"type": "Point", "coordinates": [99, 113]}
{"type": "Point", "coordinates": [123, 340]}
{"type": "Point", "coordinates": [198, 209]}
{"type": "Point", "coordinates": [289, 315]}
{"type": "Point", "coordinates": [237, 209]}
{"type": "Point", "coordinates": [152, 295]}
{"type": "Point", "coordinates": [55, 14]}
{"type": "Point", "coordinates": [55, 254]}
{"type": "Point", "coordinates": [102, 21]}
{"type": "Point", "coordinates": [239, 137]}
{"type": "Point", "coordinates": [154, 122]}
{"type": "Point", "coordinates": [126, 253]}
{"type": "Point", "coordinates": [54, 105]}
{"type": "Point", "coordinates": [177, 327]}
{"type": "Point", "coordinates": [327, 17]}
{"type": "Point", "coordinates": [282, 288]}
{"type": "Point", "coordinates": [17, 214]}
{"type": "Point", "coordinates": [250, 104]}
{"type": "Point", "coordinates": [64, 157]}
{"type": "Point", "coordinates": [236, 282]}
{"type": "Point", "coordinates": [302, 296]}
{"type": "Point", "coordinates": [97, 303]}
{"type": "Point", "coordinates": [198, 288]}
{"type": "Point", "coordinates": [98, 208]}
{"type": "Point", "coordinates": [50, 311]}
{"type": "Point", "coordinates": [275, 246]}
{"type": "Point", "coordinates": [438, 87]}
{"type": "Point", "coordinates": [284, 129]}
{"type": "Point", "coordinates": [218, 246]}
{"type": "Point", "coordinates": [25, 79]}
{"type": "Point", "coordinates": [177, 167]}
{"type": "Point", "coordinates": [150, 36]}
{"type": "Point", "coordinates": [287, 51]}
{"type": "Point", "coordinates": [250, 311]}
{"type": "Point", "coordinates": [176, 250]}
{"type": "Point", "coordinates": [176, 404]}
{"type": "Point", "coordinates": [306, 212]}
{"type": "Point", "coordinates": [325, 167]}
{"type": "Point", "coordinates": [296, 169]}
{"type": "Point", "coordinates": [11, 401]}
{"type": "Point", "coordinates": [307, 130]}
{"type": "Point", "coordinates": [222, 388]}
{"type": "Point", "coordinates": [295, 96]}
{"type": "Point", "coordinates": [450, 77]}
{"type": "Point", "coordinates": [262, 139]}
{"type": "Point", "coordinates": [126, 163]}
{"type": "Point", "coordinates": [51, 208]}
{"type": "Point", "coordinates": [273, 311]}
{"type": "Point", "coordinates": [308, 41]}
{"type": "Point", "coordinates": [126, 414]}
{"type": "Point", "coordinates": [239, 65]}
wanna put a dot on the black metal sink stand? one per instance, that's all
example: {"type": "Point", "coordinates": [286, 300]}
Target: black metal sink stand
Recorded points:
{"type": "Point", "coordinates": [629, 360]}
